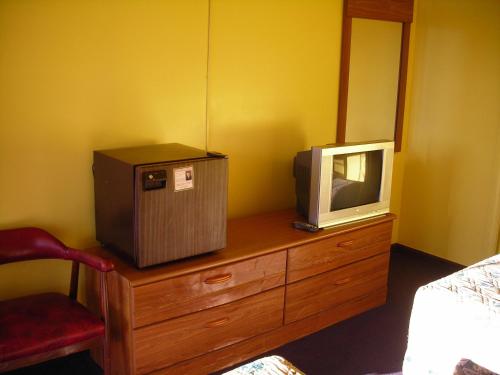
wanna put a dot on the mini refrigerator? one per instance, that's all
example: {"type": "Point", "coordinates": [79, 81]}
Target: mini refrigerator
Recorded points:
{"type": "Point", "coordinates": [159, 203]}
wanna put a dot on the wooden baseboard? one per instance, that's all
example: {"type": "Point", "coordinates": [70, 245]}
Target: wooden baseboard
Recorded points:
{"type": "Point", "coordinates": [399, 248]}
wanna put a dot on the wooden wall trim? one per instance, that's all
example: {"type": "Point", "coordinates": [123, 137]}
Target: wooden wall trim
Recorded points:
{"type": "Point", "coordinates": [403, 72]}
{"type": "Point", "coordinates": [345, 56]}
{"type": "Point", "coordinates": [385, 10]}
{"type": "Point", "coordinates": [388, 10]}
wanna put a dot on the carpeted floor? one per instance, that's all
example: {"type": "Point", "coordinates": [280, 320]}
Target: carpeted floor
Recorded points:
{"type": "Point", "coordinates": [371, 343]}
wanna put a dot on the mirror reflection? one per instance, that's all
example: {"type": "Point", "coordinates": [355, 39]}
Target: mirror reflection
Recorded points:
{"type": "Point", "coordinates": [373, 80]}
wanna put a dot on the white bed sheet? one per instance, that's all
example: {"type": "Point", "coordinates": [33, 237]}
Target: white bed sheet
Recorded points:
{"type": "Point", "coordinates": [454, 318]}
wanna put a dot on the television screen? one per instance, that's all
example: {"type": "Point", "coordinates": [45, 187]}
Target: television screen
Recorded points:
{"type": "Point", "coordinates": [356, 179]}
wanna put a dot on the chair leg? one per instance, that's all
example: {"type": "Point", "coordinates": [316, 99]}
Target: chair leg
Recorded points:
{"type": "Point", "coordinates": [106, 360]}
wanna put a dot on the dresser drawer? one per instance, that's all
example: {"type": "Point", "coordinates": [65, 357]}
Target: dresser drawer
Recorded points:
{"type": "Point", "coordinates": [327, 254]}
{"type": "Point", "coordinates": [163, 344]}
{"type": "Point", "coordinates": [198, 291]}
{"type": "Point", "coordinates": [333, 288]}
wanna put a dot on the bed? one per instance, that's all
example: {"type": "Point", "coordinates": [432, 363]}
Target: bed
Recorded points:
{"type": "Point", "coordinates": [272, 365]}
{"type": "Point", "coordinates": [455, 322]}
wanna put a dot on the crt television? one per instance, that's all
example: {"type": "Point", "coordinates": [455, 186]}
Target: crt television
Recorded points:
{"type": "Point", "coordinates": [339, 183]}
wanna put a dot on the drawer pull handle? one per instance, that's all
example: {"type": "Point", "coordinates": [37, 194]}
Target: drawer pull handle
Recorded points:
{"type": "Point", "coordinates": [346, 243]}
{"type": "Point", "coordinates": [343, 281]}
{"type": "Point", "coordinates": [218, 323]}
{"type": "Point", "coordinates": [219, 279]}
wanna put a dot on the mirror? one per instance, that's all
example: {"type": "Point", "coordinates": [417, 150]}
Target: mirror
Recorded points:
{"type": "Point", "coordinates": [374, 68]}
{"type": "Point", "coordinates": [374, 60]}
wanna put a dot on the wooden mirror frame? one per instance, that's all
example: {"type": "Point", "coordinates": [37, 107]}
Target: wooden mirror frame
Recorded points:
{"type": "Point", "coordinates": [384, 10]}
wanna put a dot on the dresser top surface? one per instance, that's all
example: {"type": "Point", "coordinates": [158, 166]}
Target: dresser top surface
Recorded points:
{"type": "Point", "coordinates": [247, 237]}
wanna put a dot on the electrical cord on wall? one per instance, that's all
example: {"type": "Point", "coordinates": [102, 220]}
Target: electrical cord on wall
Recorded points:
{"type": "Point", "coordinates": [206, 77]}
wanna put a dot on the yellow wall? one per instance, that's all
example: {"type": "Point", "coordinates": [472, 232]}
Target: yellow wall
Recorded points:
{"type": "Point", "coordinates": [82, 75]}
{"type": "Point", "coordinates": [273, 88]}
{"type": "Point", "coordinates": [450, 193]}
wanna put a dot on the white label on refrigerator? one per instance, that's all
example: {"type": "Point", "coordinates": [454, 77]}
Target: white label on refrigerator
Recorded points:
{"type": "Point", "coordinates": [183, 178]}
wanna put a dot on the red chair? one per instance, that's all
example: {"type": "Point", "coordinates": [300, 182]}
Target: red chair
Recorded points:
{"type": "Point", "coordinates": [40, 327]}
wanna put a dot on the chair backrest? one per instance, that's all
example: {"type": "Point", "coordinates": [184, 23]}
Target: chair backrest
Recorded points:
{"type": "Point", "coordinates": [22, 244]}
{"type": "Point", "coordinates": [33, 243]}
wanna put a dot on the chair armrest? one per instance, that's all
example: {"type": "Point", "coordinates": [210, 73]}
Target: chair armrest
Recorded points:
{"type": "Point", "coordinates": [91, 260]}
{"type": "Point", "coordinates": [35, 243]}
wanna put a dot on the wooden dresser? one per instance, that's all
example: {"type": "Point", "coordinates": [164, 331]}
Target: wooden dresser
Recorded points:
{"type": "Point", "coordinates": [272, 284]}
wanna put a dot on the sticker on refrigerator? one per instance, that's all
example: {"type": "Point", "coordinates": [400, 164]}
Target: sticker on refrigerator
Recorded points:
{"type": "Point", "coordinates": [183, 178]}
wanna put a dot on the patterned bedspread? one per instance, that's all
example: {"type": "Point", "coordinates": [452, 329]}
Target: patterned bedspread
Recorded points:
{"type": "Point", "coordinates": [273, 365]}
{"type": "Point", "coordinates": [456, 318]}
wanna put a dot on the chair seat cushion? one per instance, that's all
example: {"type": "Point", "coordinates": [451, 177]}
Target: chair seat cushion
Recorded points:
{"type": "Point", "coordinates": [40, 323]}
